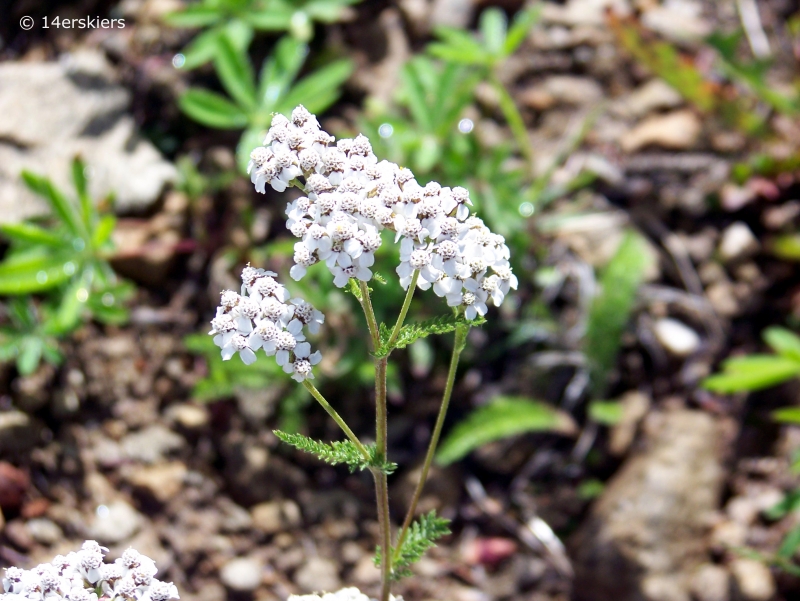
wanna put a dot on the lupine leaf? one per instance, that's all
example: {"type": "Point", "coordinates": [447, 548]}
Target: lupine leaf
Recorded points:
{"type": "Point", "coordinates": [28, 233]}
{"type": "Point", "coordinates": [523, 21]}
{"type": "Point", "coordinates": [211, 109]}
{"type": "Point", "coordinates": [783, 341]}
{"type": "Point", "coordinates": [59, 203]}
{"type": "Point", "coordinates": [421, 536]}
{"type": "Point", "coordinates": [753, 372]}
{"type": "Point", "coordinates": [494, 28]}
{"type": "Point", "coordinates": [236, 73]}
{"type": "Point", "coordinates": [194, 16]}
{"type": "Point", "coordinates": [412, 332]}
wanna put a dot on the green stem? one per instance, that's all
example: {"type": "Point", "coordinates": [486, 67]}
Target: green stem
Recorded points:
{"type": "Point", "coordinates": [458, 346]}
{"type": "Point", "coordinates": [381, 427]}
{"type": "Point", "coordinates": [336, 417]}
{"type": "Point", "coordinates": [404, 309]}
{"type": "Point", "coordinates": [515, 121]}
{"type": "Point", "coordinates": [372, 324]}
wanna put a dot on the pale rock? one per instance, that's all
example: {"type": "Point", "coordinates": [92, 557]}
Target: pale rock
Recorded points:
{"type": "Point", "coordinates": [676, 337]}
{"type": "Point", "coordinates": [451, 13]}
{"type": "Point", "coordinates": [654, 95]}
{"type": "Point", "coordinates": [276, 516]}
{"type": "Point", "coordinates": [162, 481]}
{"type": "Point", "coordinates": [152, 444]}
{"type": "Point", "coordinates": [365, 571]}
{"type": "Point", "coordinates": [733, 197]}
{"type": "Point", "coordinates": [737, 242]}
{"type": "Point", "coordinates": [318, 574]}
{"type": "Point", "coordinates": [711, 583]}
{"type": "Point", "coordinates": [677, 20]}
{"type": "Point", "coordinates": [562, 89]}
{"type": "Point", "coordinates": [634, 408]}
{"type": "Point", "coordinates": [728, 535]}
{"type": "Point", "coordinates": [188, 416]}
{"type": "Point", "coordinates": [243, 574]}
{"type": "Point", "coordinates": [722, 298]}
{"type": "Point", "coordinates": [115, 522]}
{"type": "Point", "coordinates": [233, 517]}
{"type": "Point", "coordinates": [677, 130]}
{"type": "Point", "coordinates": [51, 112]}
{"type": "Point", "coordinates": [646, 532]}
{"type": "Point", "coordinates": [18, 432]}
{"type": "Point", "coordinates": [44, 531]}
{"type": "Point", "coordinates": [583, 12]}
{"type": "Point", "coordinates": [753, 581]}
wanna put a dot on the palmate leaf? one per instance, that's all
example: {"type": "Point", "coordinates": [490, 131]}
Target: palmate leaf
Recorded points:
{"type": "Point", "coordinates": [421, 536]}
{"type": "Point", "coordinates": [412, 332]}
{"type": "Point", "coordinates": [236, 73]}
{"type": "Point", "coordinates": [211, 109]}
{"type": "Point", "coordinates": [503, 417]}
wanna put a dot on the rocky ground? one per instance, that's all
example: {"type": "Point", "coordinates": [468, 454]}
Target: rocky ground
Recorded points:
{"type": "Point", "coordinates": [112, 446]}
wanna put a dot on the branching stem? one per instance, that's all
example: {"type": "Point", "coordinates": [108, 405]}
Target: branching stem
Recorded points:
{"type": "Point", "coordinates": [458, 346]}
{"type": "Point", "coordinates": [381, 427]}
{"type": "Point", "coordinates": [404, 310]}
{"type": "Point", "coordinates": [336, 417]}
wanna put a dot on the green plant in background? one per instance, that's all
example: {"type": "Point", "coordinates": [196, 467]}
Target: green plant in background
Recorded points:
{"type": "Point", "coordinates": [609, 314]}
{"type": "Point", "coordinates": [224, 379]}
{"type": "Point", "coordinates": [67, 261]}
{"type": "Point", "coordinates": [235, 22]}
{"type": "Point", "coordinates": [485, 53]}
{"type": "Point", "coordinates": [709, 96]}
{"type": "Point", "coordinates": [502, 417]}
{"type": "Point", "coordinates": [252, 104]}
{"type": "Point", "coordinates": [32, 334]}
{"type": "Point", "coordinates": [758, 372]}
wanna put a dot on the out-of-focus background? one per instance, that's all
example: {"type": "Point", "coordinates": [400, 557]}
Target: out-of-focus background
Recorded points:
{"type": "Point", "coordinates": [624, 428]}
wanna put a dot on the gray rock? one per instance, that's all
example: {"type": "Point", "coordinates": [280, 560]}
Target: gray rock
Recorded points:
{"type": "Point", "coordinates": [44, 531]}
{"type": "Point", "coordinates": [152, 444]}
{"type": "Point", "coordinates": [242, 574]}
{"type": "Point", "coordinates": [50, 112]}
{"type": "Point", "coordinates": [318, 574]}
{"type": "Point", "coordinates": [115, 522]}
{"type": "Point", "coordinates": [645, 536]}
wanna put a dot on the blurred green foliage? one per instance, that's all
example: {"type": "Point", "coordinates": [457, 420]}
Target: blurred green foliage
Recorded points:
{"type": "Point", "coordinates": [759, 371]}
{"type": "Point", "coordinates": [64, 258]}
{"type": "Point", "coordinates": [736, 104]}
{"type": "Point", "coordinates": [252, 103]}
{"type": "Point", "coordinates": [234, 22]}
{"type": "Point", "coordinates": [502, 417]}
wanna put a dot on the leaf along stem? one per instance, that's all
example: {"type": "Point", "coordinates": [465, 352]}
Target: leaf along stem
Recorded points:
{"type": "Point", "coordinates": [458, 346]}
{"type": "Point", "coordinates": [336, 417]}
{"type": "Point", "coordinates": [404, 309]}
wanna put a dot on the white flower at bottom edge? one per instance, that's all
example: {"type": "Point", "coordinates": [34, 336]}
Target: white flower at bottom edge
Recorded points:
{"type": "Point", "coordinates": [345, 594]}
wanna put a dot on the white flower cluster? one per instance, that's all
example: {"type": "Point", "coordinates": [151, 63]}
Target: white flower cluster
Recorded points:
{"type": "Point", "coordinates": [346, 594]}
{"type": "Point", "coordinates": [263, 317]}
{"type": "Point", "coordinates": [82, 576]}
{"type": "Point", "coordinates": [351, 197]}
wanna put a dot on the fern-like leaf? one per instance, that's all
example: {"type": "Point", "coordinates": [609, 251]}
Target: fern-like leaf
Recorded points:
{"type": "Point", "coordinates": [343, 451]}
{"type": "Point", "coordinates": [412, 332]}
{"type": "Point", "coordinates": [421, 536]}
